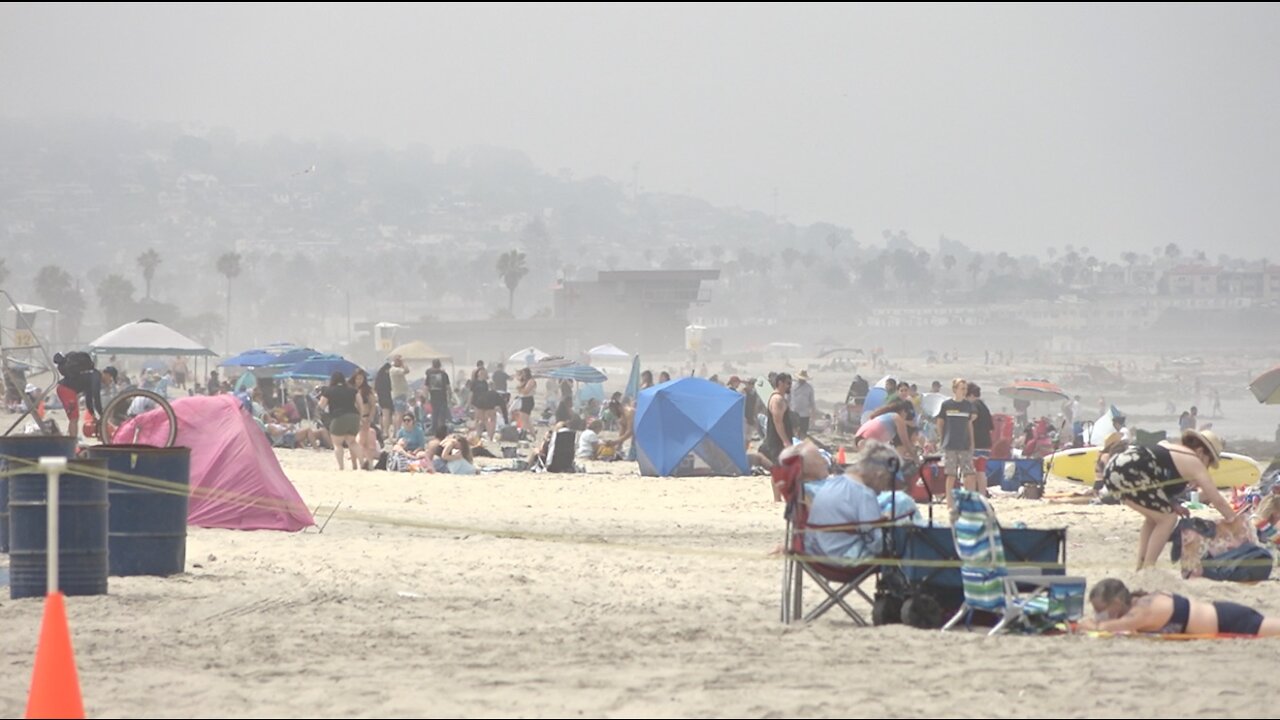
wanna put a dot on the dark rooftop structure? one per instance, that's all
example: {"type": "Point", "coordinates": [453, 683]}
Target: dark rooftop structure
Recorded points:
{"type": "Point", "coordinates": [642, 309]}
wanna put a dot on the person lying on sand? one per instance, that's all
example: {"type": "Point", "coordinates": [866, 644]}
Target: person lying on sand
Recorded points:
{"type": "Point", "coordinates": [1119, 610]}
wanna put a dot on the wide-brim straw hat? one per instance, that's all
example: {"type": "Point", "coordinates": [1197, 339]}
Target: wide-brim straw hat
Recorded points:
{"type": "Point", "coordinates": [1208, 439]}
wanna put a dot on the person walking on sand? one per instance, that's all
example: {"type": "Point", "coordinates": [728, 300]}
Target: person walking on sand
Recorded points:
{"type": "Point", "coordinates": [779, 430]}
{"type": "Point", "coordinates": [343, 404]}
{"type": "Point", "coordinates": [438, 389]}
{"type": "Point", "coordinates": [955, 427]}
{"type": "Point", "coordinates": [803, 403]}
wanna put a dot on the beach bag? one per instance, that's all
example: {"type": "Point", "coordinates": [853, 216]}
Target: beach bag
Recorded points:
{"type": "Point", "coordinates": [1246, 563]}
{"type": "Point", "coordinates": [397, 462]}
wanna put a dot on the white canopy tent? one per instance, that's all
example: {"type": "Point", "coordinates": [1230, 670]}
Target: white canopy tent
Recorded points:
{"type": "Point", "coordinates": [608, 351]}
{"type": "Point", "coordinates": [520, 358]}
{"type": "Point", "coordinates": [147, 337]}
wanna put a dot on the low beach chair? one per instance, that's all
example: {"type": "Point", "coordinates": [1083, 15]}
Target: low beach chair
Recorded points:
{"type": "Point", "coordinates": [560, 452]}
{"type": "Point", "coordinates": [836, 581]}
{"type": "Point", "coordinates": [988, 584]}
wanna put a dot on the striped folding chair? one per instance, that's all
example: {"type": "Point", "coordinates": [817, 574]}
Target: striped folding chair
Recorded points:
{"type": "Point", "coordinates": [988, 587]}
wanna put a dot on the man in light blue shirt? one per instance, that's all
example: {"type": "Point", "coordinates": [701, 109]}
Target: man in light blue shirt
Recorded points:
{"type": "Point", "coordinates": [851, 500]}
{"type": "Point", "coordinates": [842, 500]}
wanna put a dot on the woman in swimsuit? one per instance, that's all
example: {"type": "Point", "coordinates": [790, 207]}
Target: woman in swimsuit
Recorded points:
{"type": "Point", "coordinates": [526, 387]}
{"type": "Point", "coordinates": [1119, 610]}
{"type": "Point", "coordinates": [1148, 479]}
{"type": "Point", "coordinates": [367, 437]}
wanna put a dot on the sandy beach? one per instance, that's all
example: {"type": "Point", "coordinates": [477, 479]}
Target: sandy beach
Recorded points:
{"type": "Point", "coordinates": [599, 594]}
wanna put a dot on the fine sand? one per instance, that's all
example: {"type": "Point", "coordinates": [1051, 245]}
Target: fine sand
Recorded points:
{"type": "Point", "coordinates": [604, 594]}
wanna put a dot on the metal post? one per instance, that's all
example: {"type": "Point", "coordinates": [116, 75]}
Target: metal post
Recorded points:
{"type": "Point", "coordinates": [53, 468]}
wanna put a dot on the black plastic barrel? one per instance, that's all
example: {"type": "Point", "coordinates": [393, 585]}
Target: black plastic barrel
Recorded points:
{"type": "Point", "coordinates": [82, 531]}
{"type": "Point", "coordinates": [149, 498]}
{"type": "Point", "coordinates": [26, 449]}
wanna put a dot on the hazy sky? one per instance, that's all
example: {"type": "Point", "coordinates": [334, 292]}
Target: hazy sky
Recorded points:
{"type": "Point", "coordinates": [1115, 127]}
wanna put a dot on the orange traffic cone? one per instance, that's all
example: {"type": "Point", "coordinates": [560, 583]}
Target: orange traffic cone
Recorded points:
{"type": "Point", "coordinates": [55, 687]}
{"type": "Point", "coordinates": [840, 456]}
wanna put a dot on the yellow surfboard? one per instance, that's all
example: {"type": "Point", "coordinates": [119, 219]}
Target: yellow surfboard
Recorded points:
{"type": "Point", "coordinates": [1078, 464]}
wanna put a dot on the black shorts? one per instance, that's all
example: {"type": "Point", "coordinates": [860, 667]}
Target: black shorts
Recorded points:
{"type": "Point", "coordinates": [1236, 619]}
{"type": "Point", "coordinates": [526, 405]}
{"type": "Point", "coordinates": [385, 402]}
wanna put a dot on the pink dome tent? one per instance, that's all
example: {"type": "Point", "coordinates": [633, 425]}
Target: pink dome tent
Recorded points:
{"type": "Point", "coordinates": [236, 481]}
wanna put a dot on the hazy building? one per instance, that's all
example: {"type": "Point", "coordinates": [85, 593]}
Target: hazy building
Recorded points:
{"type": "Point", "coordinates": [641, 310]}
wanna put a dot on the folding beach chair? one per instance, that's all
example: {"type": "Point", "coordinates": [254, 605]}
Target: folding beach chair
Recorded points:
{"type": "Point", "coordinates": [988, 585]}
{"type": "Point", "coordinates": [560, 453]}
{"type": "Point", "coordinates": [836, 581]}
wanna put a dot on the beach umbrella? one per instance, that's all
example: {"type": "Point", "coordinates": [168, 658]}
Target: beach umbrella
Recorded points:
{"type": "Point", "coordinates": [320, 368]}
{"type": "Point", "coordinates": [521, 357]}
{"type": "Point", "coordinates": [875, 398]}
{"type": "Point", "coordinates": [547, 364]}
{"type": "Point", "coordinates": [610, 352]}
{"type": "Point", "coordinates": [1266, 387]}
{"type": "Point", "coordinates": [633, 382]}
{"type": "Point", "coordinates": [249, 358]}
{"type": "Point", "coordinates": [1034, 391]}
{"type": "Point", "coordinates": [293, 357]}
{"type": "Point", "coordinates": [270, 355]}
{"type": "Point", "coordinates": [578, 373]}
{"type": "Point", "coordinates": [1104, 426]}
{"type": "Point", "coordinates": [931, 403]}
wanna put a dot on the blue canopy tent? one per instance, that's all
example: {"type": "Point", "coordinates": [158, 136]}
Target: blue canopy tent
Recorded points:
{"type": "Point", "coordinates": [690, 426]}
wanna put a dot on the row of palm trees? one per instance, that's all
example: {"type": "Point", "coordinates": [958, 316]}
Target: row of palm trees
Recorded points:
{"type": "Point", "coordinates": [55, 287]}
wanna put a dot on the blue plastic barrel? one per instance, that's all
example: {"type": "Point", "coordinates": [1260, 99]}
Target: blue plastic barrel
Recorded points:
{"type": "Point", "coordinates": [24, 449]}
{"type": "Point", "coordinates": [82, 531]}
{"type": "Point", "coordinates": [149, 496]}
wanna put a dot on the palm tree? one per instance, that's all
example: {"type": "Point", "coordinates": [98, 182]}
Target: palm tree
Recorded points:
{"type": "Point", "coordinates": [229, 266]}
{"type": "Point", "coordinates": [975, 267]}
{"type": "Point", "coordinates": [148, 261]}
{"type": "Point", "coordinates": [788, 258]}
{"type": "Point", "coordinates": [512, 269]}
{"type": "Point", "coordinates": [116, 295]}
{"type": "Point", "coordinates": [833, 241]}
{"type": "Point", "coordinates": [56, 288]}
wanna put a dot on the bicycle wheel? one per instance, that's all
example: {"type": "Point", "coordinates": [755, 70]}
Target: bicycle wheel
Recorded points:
{"type": "Point", "coordinates": [117, 413]}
